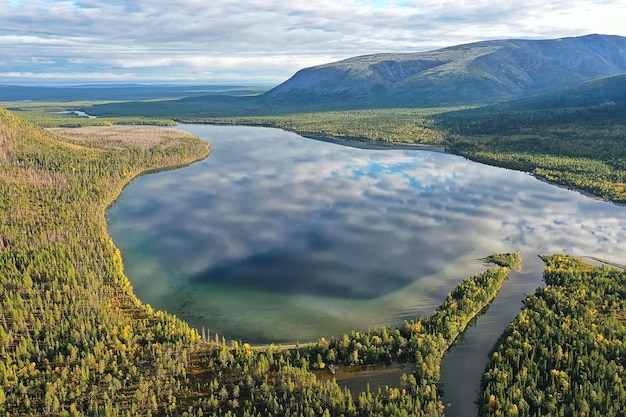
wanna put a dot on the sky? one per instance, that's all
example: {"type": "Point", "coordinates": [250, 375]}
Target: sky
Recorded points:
{"type": "Point", "coordinates": [259, 42]}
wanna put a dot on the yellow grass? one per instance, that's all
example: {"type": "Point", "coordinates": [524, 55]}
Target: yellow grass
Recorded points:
{"type": "Point", "coordinates": [112, 137]}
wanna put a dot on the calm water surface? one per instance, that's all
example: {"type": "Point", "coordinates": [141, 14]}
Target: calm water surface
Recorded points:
{"type": "Point", "coordinates": [277, 238]}
{"type": "Point", "coordinates": [463, 365]}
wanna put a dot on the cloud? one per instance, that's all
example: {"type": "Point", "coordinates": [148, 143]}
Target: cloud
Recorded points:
{"type": "Point", "coordinates": [261, 41]}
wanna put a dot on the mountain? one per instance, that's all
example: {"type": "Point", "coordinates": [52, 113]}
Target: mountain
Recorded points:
{"type": "Point", "coordinates": [600, 92]}
{"type": "Point", "coordinates": [598, 102]}
{"type": "Point", "coordinates": [473, 73]}
{"type": "Point", "coordinates": [476, 73]}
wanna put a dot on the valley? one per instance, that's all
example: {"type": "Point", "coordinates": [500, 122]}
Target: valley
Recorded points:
{"type": "Point", "coordinates": [88, 330]}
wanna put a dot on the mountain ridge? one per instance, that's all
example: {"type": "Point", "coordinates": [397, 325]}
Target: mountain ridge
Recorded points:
{"type": "Point", "coordinates": [481, 73]}
{"type": "Point", "coordinates": [472, 73]}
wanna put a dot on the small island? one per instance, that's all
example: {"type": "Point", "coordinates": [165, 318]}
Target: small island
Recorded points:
{"type": "Point", "coordinates": [512, 260]}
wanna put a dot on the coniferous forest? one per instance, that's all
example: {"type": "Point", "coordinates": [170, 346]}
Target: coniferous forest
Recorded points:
{"type": "Point", "coordinates": [565, 354]}
{"type": "Point", "coordinates": [74, 339]}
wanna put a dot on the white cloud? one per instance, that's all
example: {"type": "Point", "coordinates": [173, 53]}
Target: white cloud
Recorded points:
{"type": "Point", "coordinates": [263, 41]}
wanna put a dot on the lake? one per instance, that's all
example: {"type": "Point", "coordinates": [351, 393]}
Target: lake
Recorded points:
{"type": "Point", "coordinates": [275, 238]}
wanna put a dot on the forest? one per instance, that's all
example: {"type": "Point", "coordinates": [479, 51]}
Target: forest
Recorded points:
{"type": "Point", "coordinates": [581, 148]}
{"type": "Point", "coordinates": [565, 354]}
{"type": "Point", "coordinates": [74, 339]}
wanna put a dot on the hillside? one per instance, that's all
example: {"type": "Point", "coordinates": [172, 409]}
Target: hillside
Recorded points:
{"type": "Point", "coordinates": [600, 103]}
{"type": "Point", "coordinates": [606, 92]}
{"type": "Point", "coordinates": [472, 73]}
{"type": "Point", "coordinates": [475, 73]}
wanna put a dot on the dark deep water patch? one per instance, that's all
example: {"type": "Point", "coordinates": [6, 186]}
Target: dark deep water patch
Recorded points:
{"type": "Point", "coordinates": [277, 238]}
{"type": "Point", "coordinates": [297, 273]}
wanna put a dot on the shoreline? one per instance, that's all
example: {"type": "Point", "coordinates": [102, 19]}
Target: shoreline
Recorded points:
{"type": "Point", "coordinates": [603, 262]}
{"type": "Point", "coordinates": [376, 145]}
{"type": "Point", "coordinates": [353, 142]}
{"type": "Point", "coordinates": [361, 143]}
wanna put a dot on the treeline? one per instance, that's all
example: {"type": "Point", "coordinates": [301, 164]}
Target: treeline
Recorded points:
{"type": "Point", "coordinates": [45, 118]}
{"type": "Point", "coordinates": [386, 126]}
{"type": "Point", "coordinates": [582, 148]}
{"type": "Point", "coordinates": [565, 354]}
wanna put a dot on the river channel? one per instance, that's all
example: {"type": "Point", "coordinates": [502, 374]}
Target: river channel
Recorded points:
{"type": "Point", "coordinates": [275, 238]}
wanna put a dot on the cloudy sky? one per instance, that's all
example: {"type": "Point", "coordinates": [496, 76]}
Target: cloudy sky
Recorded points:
{"type": "Point", "coordinates": [259, 41]}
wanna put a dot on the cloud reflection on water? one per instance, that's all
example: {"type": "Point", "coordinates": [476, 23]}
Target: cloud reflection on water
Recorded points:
{"type": "Point", "coordinates": [270, 213]}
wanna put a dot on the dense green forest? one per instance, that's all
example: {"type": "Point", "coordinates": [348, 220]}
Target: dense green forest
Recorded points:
{"type": "Point", "coordinates": [582, 148]}
{"type": "Point", "coordinates": [74, 339]}
{"type": "Point", "coordinates": [565, 354]}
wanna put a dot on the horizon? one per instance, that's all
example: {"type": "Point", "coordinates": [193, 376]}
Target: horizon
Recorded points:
{"type": "Point", "coordinates": [99, 84]}
{"type": "Point", "coordinates": [234, 83]}
{"type": "Point", "coordinates": [49, 42]}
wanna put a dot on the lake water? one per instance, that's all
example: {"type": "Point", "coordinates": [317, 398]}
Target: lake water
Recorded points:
{"type": "Point", "coordinates": [277, 238]}
{"type": "Point", "coordinates": [463, 365]}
